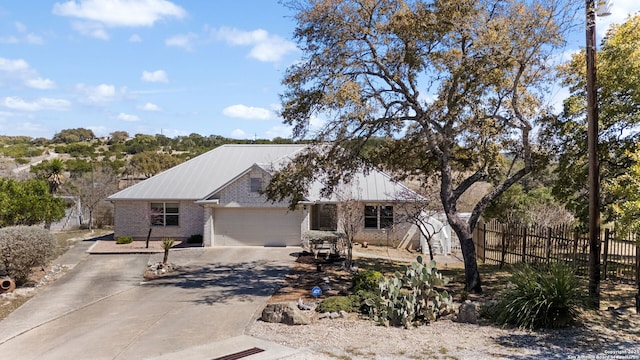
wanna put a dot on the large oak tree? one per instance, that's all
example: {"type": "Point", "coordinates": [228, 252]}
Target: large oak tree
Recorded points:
{"type": "Point", "coordinates": [454, 87]}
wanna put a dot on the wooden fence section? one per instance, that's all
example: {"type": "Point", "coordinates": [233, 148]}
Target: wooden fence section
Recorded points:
{"type": "Point", "coordinates": [510, 244]}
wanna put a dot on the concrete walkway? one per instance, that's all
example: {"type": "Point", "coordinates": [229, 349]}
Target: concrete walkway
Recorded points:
{"type": "Point", "coordinates": [102, 310]}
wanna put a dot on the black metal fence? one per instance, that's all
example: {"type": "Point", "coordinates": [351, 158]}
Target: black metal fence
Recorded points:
{"type": "Point", "coordinates": [502, 244]}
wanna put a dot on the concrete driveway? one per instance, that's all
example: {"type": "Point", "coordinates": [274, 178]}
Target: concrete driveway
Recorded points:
{"type": "Point", "coordinates": [101, 310]}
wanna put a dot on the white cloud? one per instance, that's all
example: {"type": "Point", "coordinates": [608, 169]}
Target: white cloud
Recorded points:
{"type": "Point", "coordinates": [620, 10]}
{"type": "Point", "coordinates": [120, 13]}
{"type": "Point", "coordinates": [34, 39]}
{"type": "Point", "coordinates": [17, 103]}
{"type": "Point", "coordinates": [275, 107]}
{"type": "Point", "coordinates": [128, 117]}
{"type": "Point", "coordinates": [238, 134]}
{"type": "Point", "coordinates": [279, 131]}
{"type": "Point", "coordinates": [247, 112]}
{"type": "Point", "coordinates": [99, 130]}
{"type": "Point", "coordinates": [29, 127]}
{"type": "Point", "coordinates": [264, 47]}
{"type": "Point", "coordinates": [155, 76]}
{"type": "Point", "coordinates": [100, 94]}
{"type": "Point", "coordinates": [150, 107]}
{"type": "Point", "coordinates": [40, 83]}
{"type": "Point", "coordinates": [21, 70]}
{"type": "Point", "coordinates": [135, 38]}
{"type": "Point", "coordinates": [557, 98]}
{"type": "Point", "coordinates": [28, 38]}
{"type": "Point", "coordinates": [91, 29]}
{"type": "Point", "coordinates": [183, 41]}
{"type": "Point", "coordinates": [10, 65]}
{"type": "Point", "coordinates": [317, 123]}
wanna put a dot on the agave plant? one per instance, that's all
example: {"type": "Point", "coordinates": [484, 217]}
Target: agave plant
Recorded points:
{"type": "Point", "coordinates": [544, 297]}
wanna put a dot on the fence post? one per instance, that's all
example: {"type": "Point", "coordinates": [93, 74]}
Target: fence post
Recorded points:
{"type": "Point", "coordinates": [524, 245]}
{"type": "Point", "coordinates": [484, 241]}
{"type": "Point", "coordinates": [605, 255]}
{"type": "Point", "coordinates": [637, 241]}
{"type": "Point", "coordinates": [503, 250]}
{"type": "Point", "coordinates": [548, 254]}
{"type": "Point", "coordinates": [576, 239]}
{"type": "Point", "coordinates": [479, 239]}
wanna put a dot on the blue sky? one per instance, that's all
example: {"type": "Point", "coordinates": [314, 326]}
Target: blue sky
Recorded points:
{"type": "Point", "coordinates": [154, 66]}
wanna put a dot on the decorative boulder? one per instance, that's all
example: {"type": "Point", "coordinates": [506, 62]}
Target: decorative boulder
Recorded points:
{"type": "Point", "coordinates": [286, 313]}
{"type": "Point", "coordinates": [467, 313]}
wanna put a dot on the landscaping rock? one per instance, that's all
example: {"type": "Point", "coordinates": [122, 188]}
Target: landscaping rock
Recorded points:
{"type": "Point", "coordinates": [159, 269]}
{"type": "Point", "coordinates": [305, 306]}
{"type": "Point", "coordinates": [467, 313]}
{"type": "Point", "coordinates": [324, 315]}
{"type": "Point", "coordinates": [286, 313]}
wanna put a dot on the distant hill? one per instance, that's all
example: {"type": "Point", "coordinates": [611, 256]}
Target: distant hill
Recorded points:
{"type": "Point", "coordinates": [79, 148]}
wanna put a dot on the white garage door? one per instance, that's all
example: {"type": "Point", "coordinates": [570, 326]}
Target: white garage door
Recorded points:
{"type": "Point", "coordinates": [262, 227]}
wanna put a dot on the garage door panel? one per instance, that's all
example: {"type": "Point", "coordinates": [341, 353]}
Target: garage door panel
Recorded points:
{"type": "Point", "coordinates": [259, 227]}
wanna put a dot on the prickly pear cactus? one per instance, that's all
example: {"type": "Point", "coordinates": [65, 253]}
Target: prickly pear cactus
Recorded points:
{"type": "Point", "coordinates": [409, 298]}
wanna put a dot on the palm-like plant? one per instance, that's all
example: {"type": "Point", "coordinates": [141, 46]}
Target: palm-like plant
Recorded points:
{"type": "Point", "coordinates": [167, 243]}
{"type": "Point", "coordinates": [55, 174]}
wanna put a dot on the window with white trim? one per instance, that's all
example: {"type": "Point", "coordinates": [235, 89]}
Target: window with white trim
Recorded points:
{"type": "Point", "coordinates": [378, 216]}
{"type": "Point", "coordinates": [165, 214]}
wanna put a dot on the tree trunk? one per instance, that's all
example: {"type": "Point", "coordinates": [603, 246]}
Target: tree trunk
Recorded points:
{"type": "Point", "coordinates": [166, 256]}
{"type": "Point", "coordinates": [427, 240]}
{"type": "Point", "coordinates": [349, 256]}
{"type": "Point", "coordinates": [471, 273]}
{"type": "Point", "coordinates": [465, 235]}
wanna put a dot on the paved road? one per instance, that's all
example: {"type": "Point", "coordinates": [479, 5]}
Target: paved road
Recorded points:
{"type": "Point", "coordinates": [101, 310]}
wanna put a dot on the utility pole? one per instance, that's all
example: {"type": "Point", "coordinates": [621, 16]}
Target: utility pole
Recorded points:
{"type": "Point", "coordinates": [592, 145]}
{"type": "Point", "coordinates": [594, 165]}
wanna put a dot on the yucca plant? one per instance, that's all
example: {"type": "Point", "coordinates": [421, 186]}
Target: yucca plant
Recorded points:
{"type": "Point", "coordinates": [543, 297]}
{"type": "Point", "coordinates": [167, 243]}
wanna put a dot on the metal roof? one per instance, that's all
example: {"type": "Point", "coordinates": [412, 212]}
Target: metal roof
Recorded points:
{"type": "Point", "coordinates": [204, 175]}
{"type": "Point", "coordinates": [375, 186]}
{"type": "Point", "coordinates": [196, 178]}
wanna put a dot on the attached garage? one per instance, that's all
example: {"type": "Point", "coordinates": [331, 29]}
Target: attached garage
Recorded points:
{"type": "Point", "coordinates": [256, 227]}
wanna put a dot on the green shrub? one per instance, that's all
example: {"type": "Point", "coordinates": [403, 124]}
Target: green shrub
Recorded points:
{"type": "Point", "coordinates": [366, 300]}
{"type": "Point", "coordinates": [410, 298]}
{"type": "Point", "coordinates": [337, 304]}
{"type": "Point", "coordinates": [25, 247]}
{"type": "Point", "coordinates": [544, 297]}
{"type": "Point", "coordinates": [366, 280]}
{"type": "Point", "coordinates": [195, 239]}
{"type": "Point", "coordinates": [124, 240]}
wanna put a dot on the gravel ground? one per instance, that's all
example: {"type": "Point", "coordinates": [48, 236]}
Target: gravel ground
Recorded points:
{"type": "Point", "coordinates": [613, 336]}
{"type": "Point", "coordinates": [604, 334]}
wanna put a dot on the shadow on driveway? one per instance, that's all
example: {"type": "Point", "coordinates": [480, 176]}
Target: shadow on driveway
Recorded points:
{"type": "Point", "coordinates": [225, 283]}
